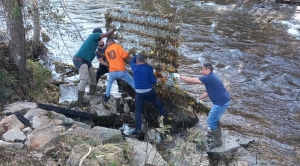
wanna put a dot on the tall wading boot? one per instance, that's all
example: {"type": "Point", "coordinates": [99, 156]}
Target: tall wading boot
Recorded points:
{"type": "Point", "coordinates": [81, 101]}
{"type": "Point", "coordinates": [92, 90]}
{"type": "Point", "coordinates": [217, 139]}
{"type": "Point", "coordinates": [209, 133]}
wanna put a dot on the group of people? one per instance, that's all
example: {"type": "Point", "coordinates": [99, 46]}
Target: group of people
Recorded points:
{"type": "Point", "coordinates": [111, 60]}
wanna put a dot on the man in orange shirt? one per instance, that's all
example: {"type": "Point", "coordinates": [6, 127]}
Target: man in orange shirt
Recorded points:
{"type": "Point", "coordinates": [115, 55]}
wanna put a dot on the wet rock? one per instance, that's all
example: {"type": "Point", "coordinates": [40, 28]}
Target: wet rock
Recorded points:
{"type": "Point", "coordinates": [230, 143]}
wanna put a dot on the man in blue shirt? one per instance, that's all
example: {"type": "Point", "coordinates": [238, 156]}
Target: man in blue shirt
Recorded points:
{"type": "Point", "coordinates": [217, 94]}
{"type": "Point", "coordinates": [83, 63]}
{"type": "Point", "coordinates": [143, 80]}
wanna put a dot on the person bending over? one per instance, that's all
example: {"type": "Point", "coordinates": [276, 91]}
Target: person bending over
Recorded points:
{"type": "Point", "coordinates": [144, 91]}
{"type": "Point", "coordinates": [83, 63]}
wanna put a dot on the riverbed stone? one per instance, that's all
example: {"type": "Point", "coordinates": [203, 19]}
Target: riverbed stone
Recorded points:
{"type": "Point", "coordinates": [230, 143]}
{"type": "Point", "coordinates": [104, 116]}
{"type": "Point", "coordinates": [10, 122]}
{"type": "Point", "coordinates": [11, 145]}
{"type": "Point", "coordinates": [15, 134]}
{"type": "Point", "coordinates": [35, 112]}
{"type": "Point", "coordinates": [102, 134]}
{"type": "Point", "coordinates": [144, 153]}
{"type": "Point", "coordinates": [40, 121]}
{"type": "Point", "coordinates": [41, 138]}
{"type": "Point", "coordinates": [17, 106]}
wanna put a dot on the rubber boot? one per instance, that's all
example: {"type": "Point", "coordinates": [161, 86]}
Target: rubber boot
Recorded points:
{"type": "Point", "coordinates": [92, 90]}
{"type": "Point", "coordinates": [209, 133]}
{"type": "Point", "coordinates": [81, 101]}
{"type": "Point", "coordinates": [217, 139]}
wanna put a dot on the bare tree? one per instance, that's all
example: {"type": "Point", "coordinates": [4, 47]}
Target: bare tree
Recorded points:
{"type": "Point", "coordinates": [36, 29]}
{"type": "Point", "coordinates": [16, 32]}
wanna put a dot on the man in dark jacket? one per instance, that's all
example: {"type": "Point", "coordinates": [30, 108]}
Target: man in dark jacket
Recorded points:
{"type": "Point", "coordinates": [144, 79]}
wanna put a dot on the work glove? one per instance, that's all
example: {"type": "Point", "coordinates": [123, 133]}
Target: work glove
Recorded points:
{"type": "Point", "coordinates": [138, 52]}
{"type": "Point", "coordinates": [117, 26]}
{"type": "Point", "coordinates": [176, 75]}
{"type": "Point", "coordinates": [198, 100]}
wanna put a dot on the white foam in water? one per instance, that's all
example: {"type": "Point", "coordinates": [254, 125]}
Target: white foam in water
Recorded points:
{"type": "Point", "coordinates": [293, 32]}
{"type": "Point", "coordinates": [293, 28]}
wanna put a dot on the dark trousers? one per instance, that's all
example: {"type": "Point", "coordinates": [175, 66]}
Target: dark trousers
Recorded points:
{"type": "Point", "coordinates": [101, 71]}
{"type": "Point", "coordinates": [140, 99]}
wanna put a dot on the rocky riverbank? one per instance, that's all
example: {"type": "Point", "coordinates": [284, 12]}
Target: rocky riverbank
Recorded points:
{"type": "Point", "coordinates": [46, 137]}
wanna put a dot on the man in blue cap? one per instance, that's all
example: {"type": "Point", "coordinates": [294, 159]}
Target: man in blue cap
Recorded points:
{"type": "Point", "coordinates": [144, 79]}
{"type": "Point", "coordinates": [83, 63]}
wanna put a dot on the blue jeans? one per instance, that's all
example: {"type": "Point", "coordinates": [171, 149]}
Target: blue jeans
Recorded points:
{"type": "Point", "coordinates": [215, 114]}
{"type": "Point", "coordinates": [140, 99]}
{"type": "Point", "coordinates": [79, 61]}
{"type": "Point", "coordinates": [123, 75]}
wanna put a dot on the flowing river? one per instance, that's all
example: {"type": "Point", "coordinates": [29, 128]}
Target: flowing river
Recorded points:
{"type": "Point", "coordinates": [254, 48]}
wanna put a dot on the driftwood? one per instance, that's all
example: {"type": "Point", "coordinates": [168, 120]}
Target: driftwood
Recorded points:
{"type": "Point", "coordinates": [67, 112]}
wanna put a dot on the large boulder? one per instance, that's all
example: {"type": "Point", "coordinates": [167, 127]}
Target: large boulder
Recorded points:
{"type": "Point", "coordinates": [177, 119]}
{"type": "Point", "coordinates": [41, 138]}
{"type": "Point", "coordinates": [10, 122]}
{"type": "Point", "coordinates": [15, 134]}
{"type": "Point", "coordinates": [102, 134]}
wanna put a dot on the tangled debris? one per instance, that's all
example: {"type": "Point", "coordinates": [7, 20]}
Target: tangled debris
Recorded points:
{"type": "Point", "coordinates": [158, 37]}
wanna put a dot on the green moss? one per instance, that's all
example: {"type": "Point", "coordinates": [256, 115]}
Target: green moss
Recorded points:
{"type": "Point", "coordinates": [41, 75]}
{"type": "Point", "coordinates": [7, 79]}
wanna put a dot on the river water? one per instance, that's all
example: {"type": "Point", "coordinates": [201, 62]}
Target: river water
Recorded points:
{"type": "Point", "coordinates": [254, 50]}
